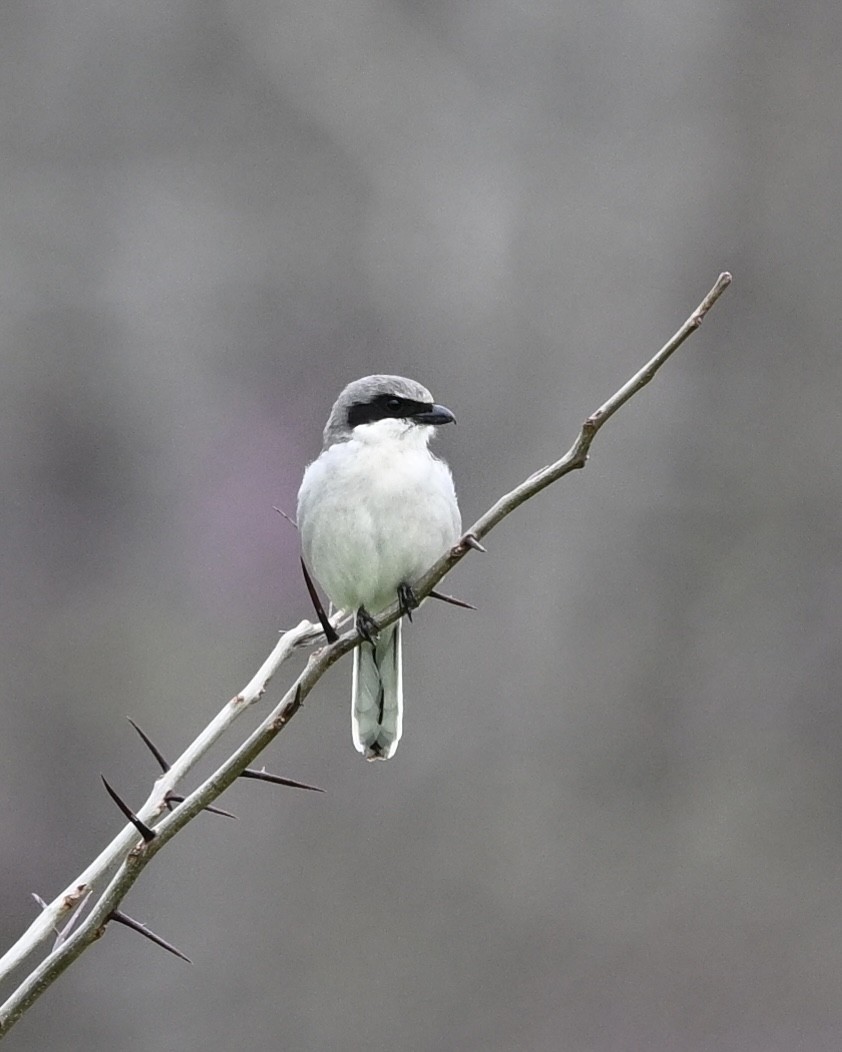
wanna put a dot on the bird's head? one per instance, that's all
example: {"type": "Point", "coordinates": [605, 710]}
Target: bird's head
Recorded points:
{"type": "Point", "coordinates": [383, 406]}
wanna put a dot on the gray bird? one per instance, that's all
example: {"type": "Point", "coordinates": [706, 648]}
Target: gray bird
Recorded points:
{"type": "Point", "coordinates": [375, 510]}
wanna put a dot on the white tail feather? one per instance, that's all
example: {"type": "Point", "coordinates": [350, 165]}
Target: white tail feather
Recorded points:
{"type": "Point", "coordinates": [377, 695]}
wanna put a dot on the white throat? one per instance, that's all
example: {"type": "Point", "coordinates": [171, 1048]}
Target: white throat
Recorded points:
{"type": "Point", "coordinates": [406, 432]}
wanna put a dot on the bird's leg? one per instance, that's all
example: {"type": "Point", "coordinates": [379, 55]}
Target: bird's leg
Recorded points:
{"type": "Point", "coordinates": [366, 625]}
{"type": "Point", "coordinates": [407, 600]}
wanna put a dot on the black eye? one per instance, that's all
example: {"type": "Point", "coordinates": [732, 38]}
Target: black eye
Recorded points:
{"type": "Point", "coordinates": [393, 404]}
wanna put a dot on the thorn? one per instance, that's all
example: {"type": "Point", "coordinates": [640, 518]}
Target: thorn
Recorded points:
{"type": "Point", "coordinates": [284, 515]}
{"type": "Point", "coordinates": [452, 600]}
{"type": "Point", "coordinates": [171, 799]}
{"type": "Point", "coordinates": [470, 541]}
{"type": "Point", "coordinates": [130, 922]}
{"type": "Point", "coordinates": [265, 776]}
{"type": "Point", "coordinates": [147, 741]}
{"type": "Point", "coordinates": [142, 828]}
{"type": "Point", "coordinates": [330, 632]}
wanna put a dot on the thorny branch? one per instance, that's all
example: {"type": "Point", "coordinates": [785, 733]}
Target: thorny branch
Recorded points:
{"type": "Point", "coordinates": [130, 855]}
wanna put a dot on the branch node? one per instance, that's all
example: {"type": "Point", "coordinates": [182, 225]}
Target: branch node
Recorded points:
{"type": "Point", "coordinates": [171, 799]}
{"type": "Point", "coordinates": [471, 541]}
{"type": "Point", "coordinates": [74, 897]}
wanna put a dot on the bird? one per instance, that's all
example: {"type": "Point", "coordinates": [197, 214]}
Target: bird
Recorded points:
{"type": "Point", "coordinates": [375, 510]}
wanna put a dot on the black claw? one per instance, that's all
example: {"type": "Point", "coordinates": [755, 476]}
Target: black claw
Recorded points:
{"type": "Point", "coordinates": [407, 600]}
{"type": "Point", "coordinates": [366, 626]}
{"type": "Point", "coordinates": [452, 600]}
{"type": "Point", "coordinates": [470, 541]}
{"type": "Point", "coordinates": [330, 632]}
{"type": "Point", "coordinates": [142, 828]}
{"type": "Point", "coordinates": [141, 929]}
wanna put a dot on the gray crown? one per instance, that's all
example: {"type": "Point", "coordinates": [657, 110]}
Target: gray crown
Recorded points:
{"type": "Point", "coordinates": [364, 390]}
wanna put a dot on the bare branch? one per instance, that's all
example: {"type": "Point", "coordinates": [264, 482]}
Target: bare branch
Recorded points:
{"type": "Point", "coordinates": [172, 799]}
{"type": "Point", "coordinates": [131, 860]}
{"type": "Point", "coordinates": [302, 636]}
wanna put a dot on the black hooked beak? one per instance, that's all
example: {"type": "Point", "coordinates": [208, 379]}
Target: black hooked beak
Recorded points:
{"type": "Point", "coordinates": [435, 415]}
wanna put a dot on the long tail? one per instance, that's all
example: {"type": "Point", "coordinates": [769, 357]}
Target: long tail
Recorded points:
{"type": "Point", "coordinates": [377, 695]}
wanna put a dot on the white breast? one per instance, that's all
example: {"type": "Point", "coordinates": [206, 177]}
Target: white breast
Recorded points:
{"type": "Point", "coordinates": [373, 514]}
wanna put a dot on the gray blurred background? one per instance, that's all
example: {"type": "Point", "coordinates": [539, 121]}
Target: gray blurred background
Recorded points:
{"type": "Point", "coordinates": [614, 820]}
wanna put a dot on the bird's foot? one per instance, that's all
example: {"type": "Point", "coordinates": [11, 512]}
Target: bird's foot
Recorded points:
{"type": "Point", "coordinates": [407, 600]}
{"type": "Point", "coordinates": [366, 625]}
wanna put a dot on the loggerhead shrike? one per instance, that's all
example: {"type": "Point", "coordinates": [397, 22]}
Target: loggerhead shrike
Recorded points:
{"type": "Point", "coordinates": [375, 510]}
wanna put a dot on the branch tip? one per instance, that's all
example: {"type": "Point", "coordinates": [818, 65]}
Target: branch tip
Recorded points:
{"type": "Point", "coordinates": [720, 285]}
